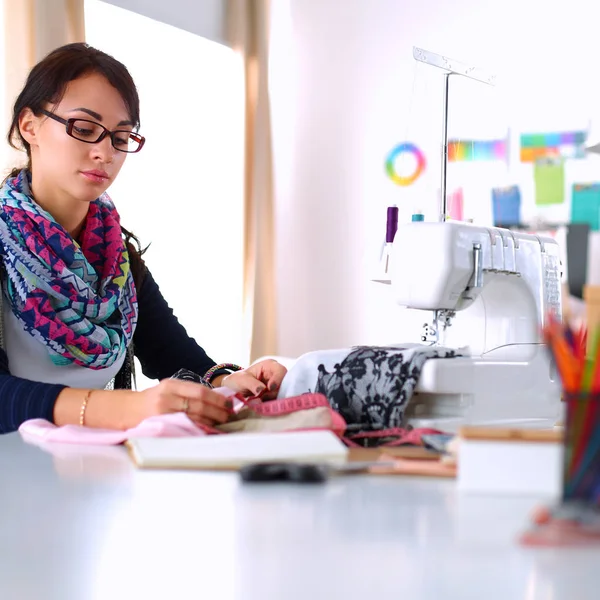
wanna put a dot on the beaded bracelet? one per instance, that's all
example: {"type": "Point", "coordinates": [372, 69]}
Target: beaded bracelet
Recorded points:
{"type": "Point", "coordinates": [83, 407]}
{"type": "Point", "coordinates": [211, 372]}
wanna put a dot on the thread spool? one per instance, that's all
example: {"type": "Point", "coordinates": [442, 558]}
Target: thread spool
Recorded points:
{"type": "Point", "coordinates": [392, 224]}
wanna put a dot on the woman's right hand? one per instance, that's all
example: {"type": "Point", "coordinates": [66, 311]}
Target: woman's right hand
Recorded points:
{"type": "Point", "coordinates": [201, 404]}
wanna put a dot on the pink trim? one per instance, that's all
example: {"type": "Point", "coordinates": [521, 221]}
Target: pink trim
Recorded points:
{"type": "Point", "coordinates": [405, 436]}
{"type": "Point", "coordinates": [350, 443]}
{"type": "Point", "coordinates": [284, 406]}
{"type": "Point", "coordinates": [338, 423]}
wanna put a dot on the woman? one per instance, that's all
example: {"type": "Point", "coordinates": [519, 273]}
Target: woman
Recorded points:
{"type": "Point", "coordinates": [78, 300]}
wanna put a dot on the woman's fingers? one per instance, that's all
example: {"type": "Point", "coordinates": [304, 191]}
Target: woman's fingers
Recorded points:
{"type": "Point", "coordinates": [198, 401]}
{"type": "Point", "coordinates": [271, 373]}
{"type": "Point", "coordinates": [206, 412]}
{"type": "Point", "coordinates": [245, 383]}
{"type": "Point", "coordinates": [260, 379]}
{"type": "Point", "coordinates": [276, 373]}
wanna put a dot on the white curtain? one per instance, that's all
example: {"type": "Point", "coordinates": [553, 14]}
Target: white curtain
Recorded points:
{"type": "Point", "coordinates": [33, 28]}
{"type": "Point", "coordinates": [247, 24]}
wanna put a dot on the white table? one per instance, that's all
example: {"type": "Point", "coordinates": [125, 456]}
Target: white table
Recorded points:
{"type": "Point", "coordinates": [84, 524]}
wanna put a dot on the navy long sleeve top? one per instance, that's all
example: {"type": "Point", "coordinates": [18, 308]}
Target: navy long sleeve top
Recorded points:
{"type": "Point", "coordinates": [161, 344]}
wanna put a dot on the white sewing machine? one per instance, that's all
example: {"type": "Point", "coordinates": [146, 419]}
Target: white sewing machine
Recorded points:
{"type": "Point", "coordinates": [489, 290]}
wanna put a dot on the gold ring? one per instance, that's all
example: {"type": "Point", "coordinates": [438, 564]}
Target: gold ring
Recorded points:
{"type": "Point", "coordinates": [186, 405]}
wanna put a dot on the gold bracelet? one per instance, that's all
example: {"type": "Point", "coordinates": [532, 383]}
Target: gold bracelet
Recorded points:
{"type": "Point", "coordinates": [83, 407]}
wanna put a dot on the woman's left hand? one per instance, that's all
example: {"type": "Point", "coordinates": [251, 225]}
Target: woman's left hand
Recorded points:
{"type": "Point", "coordinates": [261, 379]}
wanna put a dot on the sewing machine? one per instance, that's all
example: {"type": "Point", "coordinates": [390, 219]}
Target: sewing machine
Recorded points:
{"type": "Point", "coordinates": [488, 291]}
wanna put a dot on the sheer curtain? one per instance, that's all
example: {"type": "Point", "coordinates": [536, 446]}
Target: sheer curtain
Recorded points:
{"type": "Point", "coordinates": [183, 193]}
{"type": "Point", "coordinates": [248, 31]}
{"type": "Point", "coordinates": [31, 29]}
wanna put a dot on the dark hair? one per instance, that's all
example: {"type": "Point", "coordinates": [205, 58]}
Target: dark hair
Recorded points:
{"type": "Point", "coordinates": [47, 82]}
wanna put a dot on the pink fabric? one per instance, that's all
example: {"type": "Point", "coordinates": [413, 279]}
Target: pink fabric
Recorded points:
{"type": "Point", "coordinates": [170, 425]}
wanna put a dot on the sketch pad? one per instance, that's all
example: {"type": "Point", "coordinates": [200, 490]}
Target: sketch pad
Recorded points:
{"type": "Point", "coordinates": [232, 451]}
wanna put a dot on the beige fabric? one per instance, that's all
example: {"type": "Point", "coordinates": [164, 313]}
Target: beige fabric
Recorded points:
{"type": "Point", "coordinates": [247, 31]}
{"type": "Point", "coordinates": [248, 421]}
{"type": "Point", "coordinates": [33, 28]}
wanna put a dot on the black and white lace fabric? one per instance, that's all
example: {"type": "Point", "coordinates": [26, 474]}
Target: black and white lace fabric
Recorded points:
{"type": "Point", "coordinates": [369, 386]}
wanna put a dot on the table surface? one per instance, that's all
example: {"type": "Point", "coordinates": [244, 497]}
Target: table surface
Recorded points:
{"type": "Point", "coordinates": [82, 523]}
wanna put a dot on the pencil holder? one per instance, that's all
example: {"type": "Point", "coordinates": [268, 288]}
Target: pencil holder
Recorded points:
{"type": "Point", "coordinates": [591, 296]}
{"type": "Point", "coordinates": [581, 467]}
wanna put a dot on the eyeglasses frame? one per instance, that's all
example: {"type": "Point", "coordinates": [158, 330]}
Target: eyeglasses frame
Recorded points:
{"type": "Point", "coordinates": [69, 123]}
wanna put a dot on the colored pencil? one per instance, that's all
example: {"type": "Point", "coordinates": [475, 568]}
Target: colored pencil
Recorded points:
{"type": "Point", "coordinates": [579, 371]}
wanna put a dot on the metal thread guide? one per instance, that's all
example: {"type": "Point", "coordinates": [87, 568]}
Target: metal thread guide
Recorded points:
{"type": "Point", "coordinates": [451, 67]}
{"type": "Point", "coordinates": [443, 319]}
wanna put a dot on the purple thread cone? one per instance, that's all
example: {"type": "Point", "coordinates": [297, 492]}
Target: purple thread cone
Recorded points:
{"type": "Point", "coordinates": [392, 224]}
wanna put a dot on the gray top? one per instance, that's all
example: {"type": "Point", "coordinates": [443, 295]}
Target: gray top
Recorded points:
{"type": "Point", "coordinates": [28, 357]}
{"type": "Point", "coordinates": [84, 524]}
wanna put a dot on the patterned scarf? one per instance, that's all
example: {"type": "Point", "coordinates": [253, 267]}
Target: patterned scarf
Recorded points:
{"type": "Point", "coordinates": [78, 300]}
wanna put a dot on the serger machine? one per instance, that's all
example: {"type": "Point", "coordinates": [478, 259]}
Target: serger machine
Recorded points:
{"type": "Point", "coordinates": [487, 291]}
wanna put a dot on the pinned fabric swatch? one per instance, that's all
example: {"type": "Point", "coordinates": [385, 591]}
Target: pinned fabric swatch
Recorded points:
{"type": "Point", "coordinates": [549, 182]}
{"type": "Point", "coordinates": [585, 204]}
{"type": "Point", "coordinates": [506, 205]}
{"type": "Point", "coordinates": [456, 205]}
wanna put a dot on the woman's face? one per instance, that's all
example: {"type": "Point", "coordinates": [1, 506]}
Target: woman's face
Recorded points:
{"type": "Point", "coordinates": [63, 166]}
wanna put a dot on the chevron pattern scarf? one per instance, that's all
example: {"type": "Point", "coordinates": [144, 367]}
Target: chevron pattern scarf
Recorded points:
{"type": "Point", "coordinates": [78, 300]}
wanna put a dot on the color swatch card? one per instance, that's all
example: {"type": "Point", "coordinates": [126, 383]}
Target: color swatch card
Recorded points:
{"type": "Point", "coordinates": [469, 150]}
{"type": "Point", "coordinates": [506, 205]}
{"type": "Point", "coordinates": [549, 179]}
{"type": "Point", "coordinates": [569, 144]}
{"type": "Point", "coordinates": [585, 204]}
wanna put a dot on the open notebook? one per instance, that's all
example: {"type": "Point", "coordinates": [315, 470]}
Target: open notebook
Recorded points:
{"type": "Point", "coordinates": [233, 451]}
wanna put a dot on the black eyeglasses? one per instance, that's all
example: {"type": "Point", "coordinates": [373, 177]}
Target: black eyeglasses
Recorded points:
{"type": "Point", "coordinates": [91, 132]}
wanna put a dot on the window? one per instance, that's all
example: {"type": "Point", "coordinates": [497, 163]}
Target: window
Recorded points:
{"type": "Point", "coordinates": [183, 193]}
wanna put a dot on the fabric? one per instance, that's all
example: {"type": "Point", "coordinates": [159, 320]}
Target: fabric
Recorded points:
{"type": "Point", "coordinates": [78, 300]}
{"type": "Point", "coordinates": [369, 386]}
{"type": "Point", "coordinates": [306, 411]}
{"type": "Point", "coordinates": [161, 344]}
{"type": "Point", "coordinates": [171, 425]}
{"type": "Point", "coordinates": [249, 421]}
{"type": "Point", "coordinates": [392, 437]}
{"type": "Point", "coordinates": [309, 411]}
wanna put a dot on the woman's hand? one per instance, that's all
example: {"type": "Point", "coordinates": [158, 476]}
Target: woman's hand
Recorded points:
{"type": "Point", "coordinates": [261, 379]}
{"type": "Point", "coordinates": [201, 404]}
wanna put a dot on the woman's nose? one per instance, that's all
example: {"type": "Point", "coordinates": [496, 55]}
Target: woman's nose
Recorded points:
{"type": "Point", "coordinates": [104, 150]}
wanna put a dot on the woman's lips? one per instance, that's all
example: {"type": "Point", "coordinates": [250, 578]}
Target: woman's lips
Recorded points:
{"type": "Point", "coordinates": [95, 176]}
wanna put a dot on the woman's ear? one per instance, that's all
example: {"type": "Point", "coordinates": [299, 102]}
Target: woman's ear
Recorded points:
{"type": "Point", "coordinates": [28, 126]}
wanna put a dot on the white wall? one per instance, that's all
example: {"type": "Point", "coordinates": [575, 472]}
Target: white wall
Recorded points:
{"type": "Point", "coordinates": [183, 193]}
{"type": "Point", "coordinates": [346, 90]}
{"type": "Point", "coordinates": [202, 17]}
